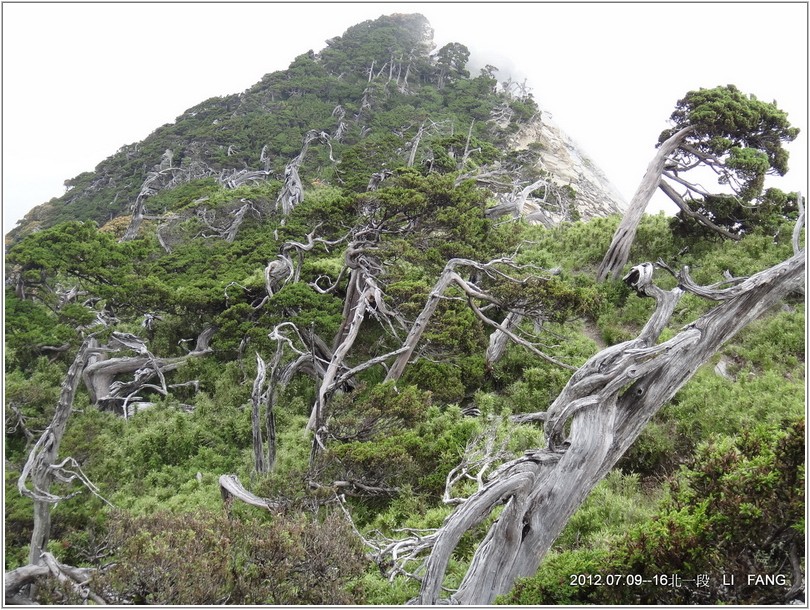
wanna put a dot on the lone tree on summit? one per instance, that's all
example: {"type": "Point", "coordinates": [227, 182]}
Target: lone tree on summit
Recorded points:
{"type": "Point", "coordinates": [719, 131]}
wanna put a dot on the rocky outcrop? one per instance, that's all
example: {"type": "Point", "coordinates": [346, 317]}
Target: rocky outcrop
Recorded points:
{"type": "Point", "coordinates": [567, 165]}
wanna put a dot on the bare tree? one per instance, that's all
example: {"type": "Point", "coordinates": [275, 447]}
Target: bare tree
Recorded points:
{"type": "Point", "coordinates": [41, 470]}
{"type": "Point", "coordinates": [42, 467]}
{"type": "Point", "coordinates": [597, 416]}
{"type": "Point", "coordinates": [619, 251]}
{"type": "Point", "coordinates": [257, 398]}
{"type": "Point", "coordinates": [292, 193]}
{"type": "Point", "coordinates": [100, 371]}
{"type": "Point", "coordinates": [230, 228]}
{"type": "Point", "coordinates": [448, 277]}
{"type": "Point", "coordinates": [513, 204]}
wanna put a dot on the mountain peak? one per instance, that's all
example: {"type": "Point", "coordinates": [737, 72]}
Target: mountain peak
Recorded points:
{"type": "Point", "coordinates": [382, 97]}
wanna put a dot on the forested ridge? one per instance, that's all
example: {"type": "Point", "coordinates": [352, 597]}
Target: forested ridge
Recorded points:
{"type": "Point", "coordinates": [336, 340]}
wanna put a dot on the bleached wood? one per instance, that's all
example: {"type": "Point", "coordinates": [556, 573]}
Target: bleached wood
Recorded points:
{"type": "Point", "coordinates": [619, 251]}
{"type": "Point", "coordinates": [606, 405]}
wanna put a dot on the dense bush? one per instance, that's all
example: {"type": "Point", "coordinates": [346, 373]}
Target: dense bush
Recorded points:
{"type": "Point", "coordinates": [736, 509]}
{"type": "Point", "coordinates": [206, 558]}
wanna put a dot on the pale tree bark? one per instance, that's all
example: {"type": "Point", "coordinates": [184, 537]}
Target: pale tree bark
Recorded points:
{"type": "Point", "coordinates": [16, 581]}
{"type": "Point", "coordinates": [619, 251]}
{"type": "Point", "coordinates": [151, 185]}
{"type": "Point", "coordinates": [449, 277]}
{"type": "Point", "coordinates": [339, 113]}
{"type": "Point", "coordinates": [677, 199]}
{"type": "Point", "coordinates": [797, 230]}
{"type": "Point", "coordinates": [377, 178]}
{"type": "Point", "coordinates": [100, 372]}
{"type": "Point", "coordinates": [231, 487]}
{"type": "Point", "coordinates": [427, 127]}
{"type": "Point", "coordinates": [292, 193]}
{"type": "Point", "coordinates": [257, 399]}
{"type": "Point", "coordinates": [42, 470]}
{"type": "Point", "coordinates": [515, 203]}
{"type": "Point", "coordinates": [499, 340]}
{"type": "Point", "coordinates": [234, 178]}
{"type": "Point", "coordinates": [606, 404]}
{"type": "Point", "coordinates": [41, 465]}
{"type": "Point", "coordinates": [231, 226]}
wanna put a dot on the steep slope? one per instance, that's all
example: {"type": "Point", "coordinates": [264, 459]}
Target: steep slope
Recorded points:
{"type": "Point", "coordinates": [568, 164]}
{"type": "Point", "coordinates": [313, 292]}
{"type": "Point", "coordinates": [379, 97]}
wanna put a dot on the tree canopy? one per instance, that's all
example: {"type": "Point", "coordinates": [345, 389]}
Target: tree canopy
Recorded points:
{"type": "Point", "coordinates": [740, 138]}
{"type": "Point", "coordinates": [720, 135]}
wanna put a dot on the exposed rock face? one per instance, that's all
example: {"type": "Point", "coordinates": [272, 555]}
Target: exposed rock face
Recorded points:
{"type": "Point", "coordinates": [568, 165]}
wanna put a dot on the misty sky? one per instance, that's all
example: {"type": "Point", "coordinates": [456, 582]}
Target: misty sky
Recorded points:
{"type": "Point", "coordinates": [81, 80]}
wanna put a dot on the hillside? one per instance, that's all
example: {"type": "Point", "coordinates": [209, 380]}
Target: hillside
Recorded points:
{"type": "Point", "coordinates": [334, 339]}
{"type": "Point", "coordinates": [381, 101]}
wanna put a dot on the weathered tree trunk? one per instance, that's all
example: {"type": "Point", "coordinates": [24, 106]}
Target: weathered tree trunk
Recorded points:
{"type": "Point", "coordinates": [448, 277]}
{"type": "Point", "coordinates": [797, 230]}
{"type": "Point", "coordinates": [231, 487]}
{"type": "Point", "coordinates": [41, 463]}
{"type": "Point", "coordinates": [420, 324]}
{"type": "Point", "coordinates": [256, 400]}
{"type": "Point", "coordinates": [415, 142]}
{"type": "Point", "coordinates": [338, 357]}
{"type": "Point", "coordinates": [498, 340]}
{"type": "Point", "coordinates": [292, 193]}
{"type": "Point", "coordinates": [77, 578]}
{"type": "Point", "coordinates": [608, 401]}
{"type": "Point", "coordinates": [619, 251]}
{"type": "Point", "coordinates": [514, 205]}
{"type": "Point", "coordinates": [100, 372]}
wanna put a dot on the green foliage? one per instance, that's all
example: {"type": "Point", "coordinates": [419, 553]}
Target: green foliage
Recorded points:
{"type": "Point", "coordinates": [36, 329]}
{"type": "Point", "coordinates": [552, 584]}
{"type": "Point", "coordinates": [729, 122]}
{"type": "Point", "coordinates": [742, 137]}
{"type": "Point", "coordinates": [616, 504]}
{"type": "Point", "coordinates": [207, 558]}
{"type": "Point", "coordinates": [737, 509]}
{"type": "Point", "coordinates": [390, 446]}
{"type": "Point", "coordinates": [395, 439]}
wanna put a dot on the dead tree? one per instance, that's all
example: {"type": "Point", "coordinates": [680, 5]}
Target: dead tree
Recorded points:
{"type": "Point", "coordinates": [448, 277]}
{"type": "Point", "coordinates": [100, 371]}
{"type": "Point", "coordinates": [16, 581]}
{"type": "Point", "coordinates": [231, 487]}
{"type": "Point", "coordinates": [515, 203]}
{"type": "Point", "coordinates": [256, 398]}
{"type": "Point", "coordinates": [377, 178]}
{"type": "Point", "coordinates": [266, 388]}
{"type": "Point", "coordinates": [363, 295]}
{"type": "Point", "coordinates": [339, 113]}
{"type": "Point", "coordinates": [42, 467]}
{"type": "Point", "coordinates": [151, 185]}
{"type": "Point", "coordinates": [427, 127]}
{"type": "Point", "coordinates": [619, 251]}
{"type": "Point", "coordinates": [499, 339]}
{"type": "Point", "coordinates": [597, 416]}
{"type": "Point", "coordinates": [284, 269]}
{"type": "Point", "coordinates": [231, 227]}
{"type": "Point", "coordinates": [292, 193]}
{"type": "Point", "coordinates": [41, 470]}
{"type": "Point", "coordinates": [234, 178]}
